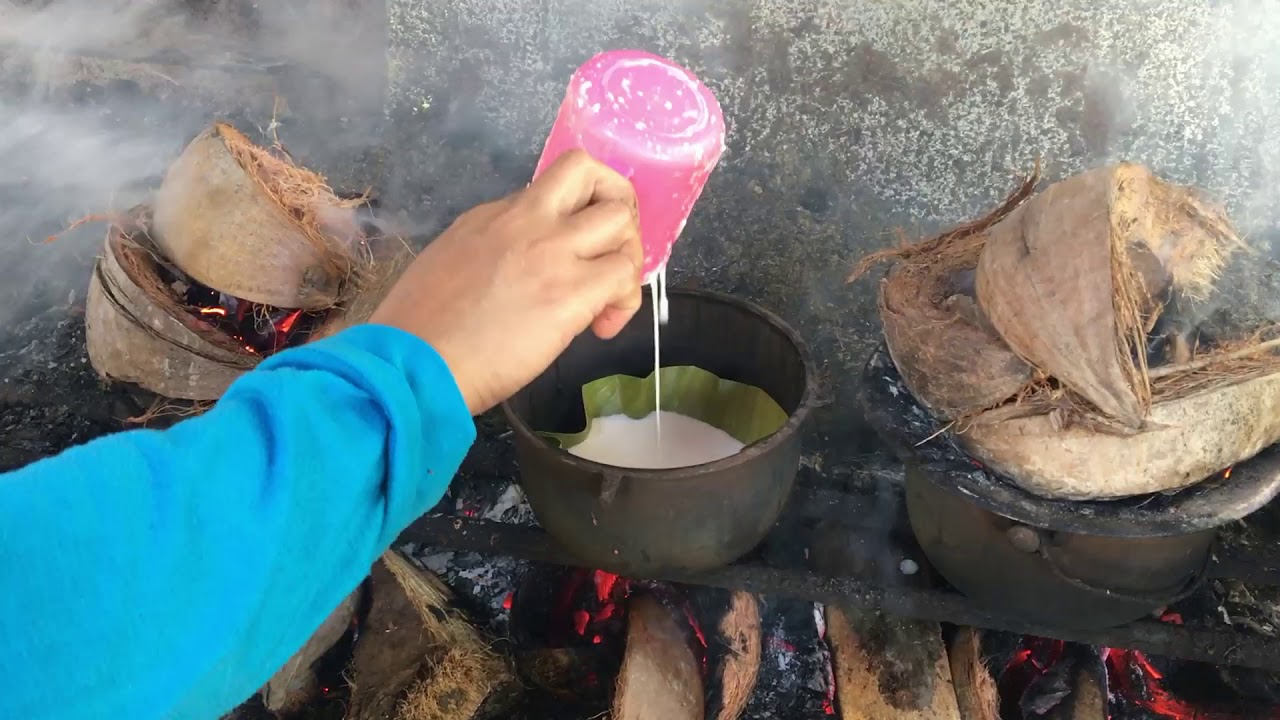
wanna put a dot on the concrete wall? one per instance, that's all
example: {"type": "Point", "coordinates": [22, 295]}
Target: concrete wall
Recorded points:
{"type": "Point", "coordinates": [850, 118]}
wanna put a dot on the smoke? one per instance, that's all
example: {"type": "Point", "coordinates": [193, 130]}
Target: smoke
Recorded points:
{"type": "Point", "coordinates": [98, 96]}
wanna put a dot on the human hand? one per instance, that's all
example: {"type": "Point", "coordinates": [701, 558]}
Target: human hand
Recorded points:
{"type": "Point", "coordinates": [502, 291]}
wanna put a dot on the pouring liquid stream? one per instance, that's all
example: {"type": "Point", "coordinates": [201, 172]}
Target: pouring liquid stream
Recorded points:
{"type": "Point", "coordinates": [658, 293]}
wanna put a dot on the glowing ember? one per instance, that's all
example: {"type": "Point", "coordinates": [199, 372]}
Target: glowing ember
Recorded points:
{"type": "Point", "coordinates": [581, 618]}
{"type": "Point", "coordinates": [581, 611]}
{"type": "Point", "coordinates": [697, 629]}
{"type": "Point", "coordinates": [1133, 683]}
{"type": "Point", "coordinates": [261, 329]}
{"type": "Point", "coordinates": [1137, 682]}
{"type": "Point", "coordinates": [287, 324]}
{"type": "Point", "coordinates": [506, 601]}
{"type": "Point", "coordinates": [604, 584]}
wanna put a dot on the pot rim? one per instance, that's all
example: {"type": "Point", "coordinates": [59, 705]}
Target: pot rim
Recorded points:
{"type": "Point", "coordinates": [794, 420]}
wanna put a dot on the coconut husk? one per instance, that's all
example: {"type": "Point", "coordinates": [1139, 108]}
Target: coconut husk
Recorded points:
{"type": "Point", "coordinates": [740, 628]}
{"type": "Point", "coordinates": [393, 651]}
{"type": "Point", "coordinates": [931, 292]}
{"type": "Point", "coordinates": [462, 678]}
{"type": "Point", "coordinates": [1187, 439]}
{"type": "Point", "coordinates": [660, 678]}
{"type": "Point", "coordinates": [1072, 281]}
{"type": "Point", "coordinates": [1059, 282]}
{"type": "Point", "coordinates": [1069, 281]}
{"type": "Point", "coordinates": [977, 696]}
{"type": "Point", "coordinates": [138, 332]}
{"type": "Point", "coordinates": [248, 222]}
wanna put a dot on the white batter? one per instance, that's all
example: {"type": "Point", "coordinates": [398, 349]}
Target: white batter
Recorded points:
{"type": "Point", "coordinates": [682, 441]}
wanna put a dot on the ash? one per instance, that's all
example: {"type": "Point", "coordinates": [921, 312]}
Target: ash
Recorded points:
{"type": "Point", "coordinates": [795, 665]}
{"type": "Point", "coordinates": [50, 397]}
{"type": "Point", "coordinates": [483, 583]}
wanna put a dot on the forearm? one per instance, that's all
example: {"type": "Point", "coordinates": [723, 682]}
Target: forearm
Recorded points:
{"type": "Point", "coordinates": [173, 572]}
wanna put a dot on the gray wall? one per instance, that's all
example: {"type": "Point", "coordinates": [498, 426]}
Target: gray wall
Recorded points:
{"type": "Point", "coordinates": [850, 118]}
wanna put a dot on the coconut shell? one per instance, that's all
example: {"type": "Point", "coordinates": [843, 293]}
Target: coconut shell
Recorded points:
{"type": "Point", "coordinates": [1045, 282]}
{"type": "Point", "coordinates": [1187, 440]}
{"type": "Point", "coordinates": [952, 363]}
{"type": "Point", "coordinates": [136, 333]}
{"type": "Point", "coordinates": [219, 223]}
{"type": "Point", "coordinates": [1072, 280]}
{"type": "Point", "coordinates": [659, 679]}
{"type": "Point", "coordinates": [362, 298]}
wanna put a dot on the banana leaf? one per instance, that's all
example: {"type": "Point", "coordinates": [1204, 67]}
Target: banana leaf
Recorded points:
{"type": "Point", "coordinates": [745, 412]}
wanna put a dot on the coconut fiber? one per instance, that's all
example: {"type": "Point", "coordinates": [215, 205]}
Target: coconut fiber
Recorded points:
{"type": "Point", "coordinates": [1043, 306]}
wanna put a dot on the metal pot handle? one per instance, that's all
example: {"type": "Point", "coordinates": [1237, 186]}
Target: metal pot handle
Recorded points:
{"type": "Point", "coordinates": [610, 483]}
{"type": "Point", "coordinates": [1190, 586]}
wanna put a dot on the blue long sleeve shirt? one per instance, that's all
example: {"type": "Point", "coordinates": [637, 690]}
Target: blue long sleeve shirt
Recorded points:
{"type": "Point", "coordinates": [169, 574]}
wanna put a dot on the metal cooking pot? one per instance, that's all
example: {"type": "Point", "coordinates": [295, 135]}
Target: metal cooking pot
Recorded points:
{"type": "Point", "coordinates": [648, 522]}
{"type": "Point", "coordinates": [1080, 564]}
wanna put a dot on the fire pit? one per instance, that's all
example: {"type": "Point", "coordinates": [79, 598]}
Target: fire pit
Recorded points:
{"type": "Point", "coordinates": [642, 522]}
{"type": "Point", "coordinates": [1081, 564]}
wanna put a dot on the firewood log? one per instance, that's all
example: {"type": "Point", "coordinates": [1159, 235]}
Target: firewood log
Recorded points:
{"type": "Point", "coordinates": [886, 667]}
{"type": "Point", "coordinates": [871, 681]}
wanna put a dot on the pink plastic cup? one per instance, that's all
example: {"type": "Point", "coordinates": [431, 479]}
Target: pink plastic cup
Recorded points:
{"type": "Point", "coordinates": [652, 121]}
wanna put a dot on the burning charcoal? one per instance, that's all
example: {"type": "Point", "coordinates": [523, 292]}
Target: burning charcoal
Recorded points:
{"type": "Point", "coordinates": [1050, 689]}
{"type": "Point", "coordinates": [1085, 679]}
{"type": "Point", "coordinates": [567, 627]}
